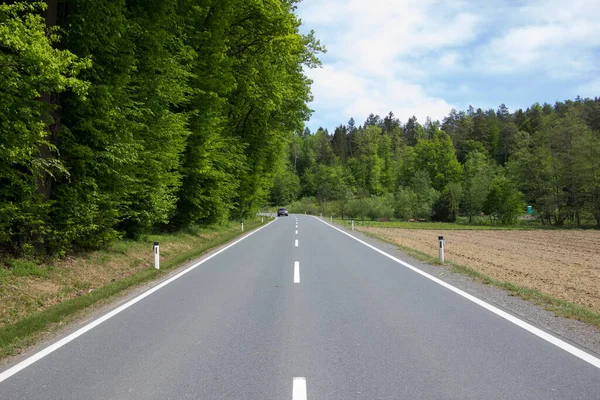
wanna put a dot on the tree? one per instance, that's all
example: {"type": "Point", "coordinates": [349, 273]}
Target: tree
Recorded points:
{"type": "Point", "coordinates": [530, 168]}
{"type": "Point", "coordinates": [413, 131]}
{"type": "Point", "coordinates": [323, 148]}
{"type": "Point", "coordinates": [366, 165]}
{"type": "Point", "coordinates": [286, 188]}
{"type": "Point", "coordinates": [503, 202]}
{"type": "Point", "coordinates": [426, 194]}
{"type": "Point", "coordinates": [438, 158]}
{"type": "Point", "coordinates": [339, 143]}
{"type": "Point", "coordinates": [446, 207]}
{"type": "Point", "coordinates": [406, 204]}
{"type": "Point", "coordinates": [30, 66]}
{"type": "Point", "coordinates": [189, 106]}
{"type": "Point", "coordinates": [586, 170]}
{"type": "Point", "coordinates": [477, 177]}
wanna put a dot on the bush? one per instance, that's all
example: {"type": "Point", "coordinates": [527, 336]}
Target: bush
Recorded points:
{"type": "Point", "coordinates": [306, 205]}
{"type": "Point", "coordinates": [406, 204]}
{"type": "Point", "coordinates": [445, 209]}
{"type": "Point", "coordinates": [504, 202]}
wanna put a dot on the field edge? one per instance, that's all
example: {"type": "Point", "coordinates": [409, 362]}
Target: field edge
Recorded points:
{"type": "Point", "coordinates": [559, 307]}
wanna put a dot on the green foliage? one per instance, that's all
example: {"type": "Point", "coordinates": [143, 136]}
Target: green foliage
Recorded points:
{"type": "Point", "coordinates": [477, 178]}
{"type": "Point", "coordinates": [306, 205]}
{"type": "Point", "coordinates": [438, 171]}
{"type": "Point", "coordinates": [406, 204]}
{"type": "Point", "coordinates": [286, 187]}
{"type": "Point", "coordinates": [23, 267]}
{"type": "Point", "coordinates": [144, 115]}
{"type": "Point", "coordinates": [446, 208]}
{"type": "Point", "coordinates": [438, 158]}
{"type": "Point", "coordinates": [504, 202]}
{"type": "Point", "coordinates": [31, 69]}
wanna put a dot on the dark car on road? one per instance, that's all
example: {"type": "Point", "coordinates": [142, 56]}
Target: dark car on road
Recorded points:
{"type": "Point", "coordinates": [282, 211]}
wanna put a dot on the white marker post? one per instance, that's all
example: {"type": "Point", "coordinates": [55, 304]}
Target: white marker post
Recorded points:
{"type": "Point", "coordinates": [441, 240]}
{"type": "Point", "coordinates": [156, 256]}
{"type": "Point", "coordinates": [242, 227]}
{"type": "Point", "coordinates": [352, 224]}
{"type": "Point", "coordinates": [331, 219]}
{"type": "Point", "coordinates": [262, 219]}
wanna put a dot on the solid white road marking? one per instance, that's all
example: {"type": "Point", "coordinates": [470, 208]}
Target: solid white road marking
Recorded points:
{"type": "Point", "coordinates": [296, 243]}
{"type": "Point", "coordinates": [299, 389]}
{"type": "Point", "coordinates": [528, 327]}
{"type": "Point", "coordinates": [55, 346]}
{"type": "Point", "coordinates": [297, 272]}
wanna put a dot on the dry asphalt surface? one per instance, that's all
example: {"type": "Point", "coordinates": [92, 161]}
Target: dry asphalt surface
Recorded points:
{"type": "Point", "coordinates": [300, 310]}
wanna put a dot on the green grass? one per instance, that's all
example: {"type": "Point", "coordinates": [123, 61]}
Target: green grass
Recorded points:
{"type": "Point", "coordinates": [560, 307]}
{"type": "Point", "coordinates": [19, 267]}
{"type": "Point", "coordinates": [432, 225]}
{"type": "Point", "coordinates": [31, 328]}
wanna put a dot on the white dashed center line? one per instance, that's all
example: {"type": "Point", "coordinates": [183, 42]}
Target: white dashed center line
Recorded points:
{"type": "Point", "coordinates": [297, 272]}
{"type": "Point", "coordinates": [299, 389]}
{"type": "Point", "coordinates": [296, 243]}
{"type": "Point", "coordinates": [296, 232]}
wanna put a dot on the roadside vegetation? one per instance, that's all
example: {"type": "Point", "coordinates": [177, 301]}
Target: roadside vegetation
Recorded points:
{"type": "Point", "coordinates": [538, 266]}
{"type": "Point", "coordinates": [122, 118]}
{"type": "Point", "coordinates": [458, 225]}
{"type": "Point", "coordinates": [125, 122]}
{"type": "Point", "coordinates": [36, 298]}
{"type": "Point", "coordinates": [474, 166]}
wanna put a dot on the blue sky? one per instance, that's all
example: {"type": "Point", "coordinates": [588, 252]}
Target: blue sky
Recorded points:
{"type": "Point", "coordinates": [425, 57]}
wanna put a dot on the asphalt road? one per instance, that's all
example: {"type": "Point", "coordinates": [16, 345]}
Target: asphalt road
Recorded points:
{"type": "Point", "coordinates": [356, 325]}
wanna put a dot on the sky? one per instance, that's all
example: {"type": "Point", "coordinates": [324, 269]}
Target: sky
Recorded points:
{"type": "Point", "coordinates": [425, 57]}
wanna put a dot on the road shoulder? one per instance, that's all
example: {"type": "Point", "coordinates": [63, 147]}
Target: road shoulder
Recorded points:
{"type": "Point", "coordinates": [575, 332]}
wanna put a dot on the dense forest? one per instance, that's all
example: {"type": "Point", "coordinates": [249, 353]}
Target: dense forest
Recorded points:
{"type": "Point", "coordinates": [118, 117]}
{"type": "Point", "coordinates": [474, 163]}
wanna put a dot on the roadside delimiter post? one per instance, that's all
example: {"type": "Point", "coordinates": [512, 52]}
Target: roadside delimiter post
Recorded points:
{"type": "Point", "coordinates": [441, 240]}
{"type": "Point", "coordinates": [156, 256]}
{"type": "Point", "coordinates": [352, 224]}
{"type": "Point", "coordinates": [242, 227]}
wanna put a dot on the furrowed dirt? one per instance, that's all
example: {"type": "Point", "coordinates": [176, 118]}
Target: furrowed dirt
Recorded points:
{"type": "Point", "coordinates": [562, 263]}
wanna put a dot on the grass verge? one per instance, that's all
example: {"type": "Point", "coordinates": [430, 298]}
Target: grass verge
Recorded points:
{"type": "Point", "coordinates": [433, 225]}
{"type": "Point", "coordinates": [34, 326]}
{"type": "Point", "coordinates": [560, 307]}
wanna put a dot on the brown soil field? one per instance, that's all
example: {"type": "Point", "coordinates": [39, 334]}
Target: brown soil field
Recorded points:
{"type": "Point", "coordinates": [562, 263]}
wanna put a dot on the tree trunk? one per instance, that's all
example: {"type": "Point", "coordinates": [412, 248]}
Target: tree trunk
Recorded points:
{"type": "Point", "coordinates": [54, 13]}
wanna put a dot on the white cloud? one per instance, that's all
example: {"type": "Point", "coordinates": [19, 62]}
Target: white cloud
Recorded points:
{"type": "Point", "coordinates": [411, 56]}
{"type": "Point", "coordinates": [590, 88]}
{"type": "Point", "coordinates": [556, 39]}
{"type": "Point", "coordinates": [340, 91]}
{"type": "Point", "coordinates": [372, 35]}
{"type": "Point", "coordinates": [373, 46]}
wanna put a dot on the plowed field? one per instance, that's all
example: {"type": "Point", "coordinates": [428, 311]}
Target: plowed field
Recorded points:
{"type": "Point", "coordinates": [561, 263]}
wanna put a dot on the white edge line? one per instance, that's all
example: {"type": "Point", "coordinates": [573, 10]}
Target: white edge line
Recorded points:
{"type": "Point", "coordinates": [55, 346]}
{"type": "Point", "coordinates": [297, 272]}
{"type": "Point", "coordinates": [299, 388]}
{"type": "Point", "coordinates": [587, 357]}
